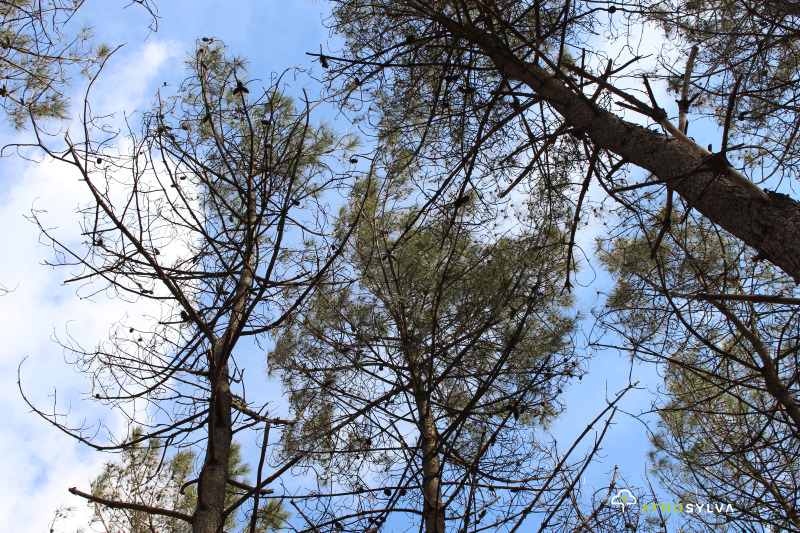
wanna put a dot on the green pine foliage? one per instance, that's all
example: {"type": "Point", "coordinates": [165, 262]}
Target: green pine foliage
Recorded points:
{"type": "Point", "coordinates": [428, 327]}
{"type": "Point", "coordinates": [42, 50]}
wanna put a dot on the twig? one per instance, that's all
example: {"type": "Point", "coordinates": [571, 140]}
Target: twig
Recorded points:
{"type": "Point", "coordinates": [254, 518]}
{"type": "Point", "coordinates": [577, 216]}
{"type": "Point", "coordinates": [664, 225]}
{"type": "Point", "coordinates": [559, 466]}
{"type": "Point", "coordinates": [683, 103]}
{"type": "Point", "coordinates": [242, 486]}
{"type": "Point", "coordinates": [658, 111]}
{"type": "Point", "coordinates": [255, 416]}
{"type": "Point", "coordinates": [232, 482]}
{"type": "Point", "coordinates": [728, 113]}
{"type": "Point", "coordinates": [304, 516]}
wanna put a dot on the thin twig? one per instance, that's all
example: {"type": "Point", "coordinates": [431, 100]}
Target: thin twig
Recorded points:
{"type": "Point", "coordinates": [664, 225]}
{"type": "Point", "coordinates": [254, 518]}
{"type": "Point", "coordinates": [728, 113]}
{"type": "Point", "coordinates": [576, 218]}
{"type": "Point", "coordinates": [683, 103]}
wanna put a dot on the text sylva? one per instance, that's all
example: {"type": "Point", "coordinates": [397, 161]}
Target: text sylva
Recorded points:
{"type": "Point", "coordinates": [690, 508]}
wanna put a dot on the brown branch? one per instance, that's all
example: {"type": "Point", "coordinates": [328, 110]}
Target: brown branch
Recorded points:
{"type": "Point", "coordinates": [577, 217]}
{"type": "Point", "coordinates": [728, 115]}
{"type": "Point", "coordinates": [585, 521]}
{"type": "Point", "coordinates": [255, 416]}
{"type": "Point", "coordinates": [558, 468]}
{"type": "Point", "coordinates": [242, 486]}
{"type": "Point", "coordinates": [254, 518]}
{"type": "Point", "coordinates": [308, 521]}
{"type": "Point", "coordinates": [741, 298]}
{"type": "Point", "coordinates": [769, 372]}
{"type": "Point", "coordinates": [261, 485]}
{"type": "Point", "coordinates": [132, 506]}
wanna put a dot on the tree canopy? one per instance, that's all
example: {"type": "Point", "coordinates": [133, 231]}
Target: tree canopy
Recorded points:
{"type": "Point", "coordinates": [421, 317]}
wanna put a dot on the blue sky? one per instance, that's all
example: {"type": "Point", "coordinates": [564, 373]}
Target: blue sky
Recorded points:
{"type": "Point", "coordinates": [40, 462]}
{"type": "Point", "coordinates": [274, 35]}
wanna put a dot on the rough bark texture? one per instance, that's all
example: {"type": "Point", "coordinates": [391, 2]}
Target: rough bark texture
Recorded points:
{"type": "Point", "coordinates": [432, 509]}
{"type": "Point", "coordinates": [432, 504]}
{"type": "Point", "coordinates": [772, 228]}
{"type": "Point", "coordinates": [213, 480]}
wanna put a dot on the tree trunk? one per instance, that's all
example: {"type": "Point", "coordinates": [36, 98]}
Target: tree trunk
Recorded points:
{"type": "Point", "coordinates": [772, 228]}
{"type": "Point", "coordinates": [432, 506]}
{"type": "Point", "coordinates": [213, 480]}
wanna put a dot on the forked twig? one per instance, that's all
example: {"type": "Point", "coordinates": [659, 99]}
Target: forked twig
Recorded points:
{"type": "Point", "coordinates": [664, 225]}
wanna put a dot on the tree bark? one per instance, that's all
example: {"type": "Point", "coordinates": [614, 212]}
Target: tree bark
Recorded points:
{"type": "Point", "coordinates": [772, 228]}
{"type": "Point", "coordinates": [432, 506]}
{"type": "Point", "coordinates": [213, 480]}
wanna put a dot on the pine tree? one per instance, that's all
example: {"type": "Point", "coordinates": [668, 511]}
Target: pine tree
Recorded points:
{"type": "Point", "coordinates": [723, 329]}
{"type": "Point", "coordinates": [492, 81]}
{"type": "Point", "coordinates": [426, 367]}
{"type": "Point", "coordinates": [222, 190]}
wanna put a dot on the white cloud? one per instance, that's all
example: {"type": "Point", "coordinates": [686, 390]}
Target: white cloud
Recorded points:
{"type": "Point", "coordinates": [38, 461]}
{"type": "Point", "coordinates": [131, 79]}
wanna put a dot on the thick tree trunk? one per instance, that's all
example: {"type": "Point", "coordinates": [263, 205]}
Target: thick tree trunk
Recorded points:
{"type": "Point", "coordinates": [213, 481]}
{"type": "Point", "coordinates": [772, 228]}
{"type": "Point", "coordinates": [432, 506]}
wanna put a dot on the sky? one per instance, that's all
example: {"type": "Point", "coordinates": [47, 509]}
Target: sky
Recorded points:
{"type": "Point", "coordinates": [38, 461]}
